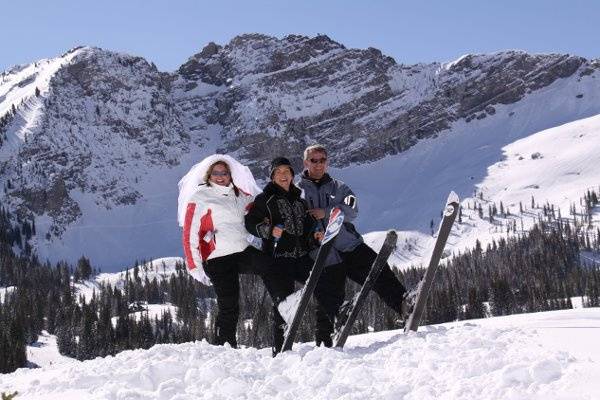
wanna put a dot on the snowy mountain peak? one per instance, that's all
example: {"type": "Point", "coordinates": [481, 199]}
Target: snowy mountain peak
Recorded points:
{"type": "Point", "coordinates": [22, 83]}
{"type": "Point", "coordinates": [253, 54]}
{"type": "Point", "coordinates": [98, 121]}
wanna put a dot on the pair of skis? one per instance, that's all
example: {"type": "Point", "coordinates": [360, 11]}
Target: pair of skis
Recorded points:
{"type": "Point", "coordinates": [351, 312]}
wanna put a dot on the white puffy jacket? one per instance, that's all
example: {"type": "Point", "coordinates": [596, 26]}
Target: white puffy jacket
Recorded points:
{"type": "Point", "coordinates": [214, 226]}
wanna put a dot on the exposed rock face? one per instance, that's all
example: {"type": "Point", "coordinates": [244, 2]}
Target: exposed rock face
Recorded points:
{"type": "Point", "coordinates": [103, 119]}
{"type": "Point", "coordinates": [276, 96]}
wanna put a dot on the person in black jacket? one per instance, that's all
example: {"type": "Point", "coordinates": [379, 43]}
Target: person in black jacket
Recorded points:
{"type": "Point", "coordinates": [279, 216]}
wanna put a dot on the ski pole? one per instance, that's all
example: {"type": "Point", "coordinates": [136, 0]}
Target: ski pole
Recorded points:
{"type": "Point", "coordinates": [280, 226]}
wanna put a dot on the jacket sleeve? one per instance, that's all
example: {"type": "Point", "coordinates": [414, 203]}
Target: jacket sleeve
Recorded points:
{"type": "Point", "coordinates": [257, 219]}
{"type": "Point", "coordinates": [310, 227]}
{"type": "Point", "coordinates": [191, 242]}
{"type": "Point", "coordinates": [346, 200]}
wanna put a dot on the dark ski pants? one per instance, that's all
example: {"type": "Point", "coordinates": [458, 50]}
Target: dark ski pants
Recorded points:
{"type": "Point", "coordinates": [224, 275]}
{"type": "Point", "coordinates": [329, 294]}
{"type": "Point", "coordinates": [357, 264]}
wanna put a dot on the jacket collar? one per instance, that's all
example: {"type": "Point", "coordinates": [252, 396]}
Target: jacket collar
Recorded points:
{"type": "Point", "coordinates": [272, 188]}
{"type": "Point", "coordinates": [318, 182]}
{"type": "Point", "coordinates": [224, 190]}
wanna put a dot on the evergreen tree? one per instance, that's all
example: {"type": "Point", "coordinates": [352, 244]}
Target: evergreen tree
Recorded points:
{"type": "Point", "coordinates": [84, 268]}
{"type": "Point", "coordinates": [501, 298]}
{"type": "Point", "coordinates": [475, 307]}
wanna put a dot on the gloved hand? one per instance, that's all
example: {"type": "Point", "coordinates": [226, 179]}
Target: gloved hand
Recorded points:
{"type": "Point", "coordinates": [199, 275]}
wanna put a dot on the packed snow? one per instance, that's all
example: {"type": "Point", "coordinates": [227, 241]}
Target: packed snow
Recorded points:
{"type": "Point", "coordinates": [549, 355]}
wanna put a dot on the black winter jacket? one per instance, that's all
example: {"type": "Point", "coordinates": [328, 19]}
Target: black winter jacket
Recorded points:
{"type": "Point", "coordinates": [274, 206]}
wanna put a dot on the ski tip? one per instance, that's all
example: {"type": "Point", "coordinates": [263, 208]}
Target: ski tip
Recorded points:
{"type": "Point", "coordinates": [392, 234]}
{"type": "Point", "coordinates": [453, 198]}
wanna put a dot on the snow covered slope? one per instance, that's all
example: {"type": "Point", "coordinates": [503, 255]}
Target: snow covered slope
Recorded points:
{"type": "Point", "coordinates": [159, 269]}
{"type": "Point", "coordinates": [26, 85]}
{"type": "Point", "coordinates": [44, 353]}
{"type": "Point", "coordinates": [502, 164]}
{"type": "Point", "coordinates": [551, 355]}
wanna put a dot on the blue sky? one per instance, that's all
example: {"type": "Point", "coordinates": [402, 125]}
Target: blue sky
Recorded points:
{"type": "Point", "coordinates": [167, 33]}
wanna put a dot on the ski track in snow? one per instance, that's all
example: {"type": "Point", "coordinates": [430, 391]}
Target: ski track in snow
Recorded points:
{"type": "Point", "coordinates": [515, 357]}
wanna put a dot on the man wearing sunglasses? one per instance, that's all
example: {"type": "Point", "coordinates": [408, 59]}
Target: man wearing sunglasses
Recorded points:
{"type": "Point", "coordinates": [323, 193]}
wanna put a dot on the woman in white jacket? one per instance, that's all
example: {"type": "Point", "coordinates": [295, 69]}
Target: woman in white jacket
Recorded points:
{"type": "Point", "coordinates": [215, 241]}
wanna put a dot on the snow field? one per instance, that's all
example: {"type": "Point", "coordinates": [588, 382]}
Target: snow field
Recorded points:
{"type": "Point", "coordinates": [556, 165]}
{"type": "Point", "coordinates": [496, 358]}
{"type": "Point", "coordinates": [45, 352]}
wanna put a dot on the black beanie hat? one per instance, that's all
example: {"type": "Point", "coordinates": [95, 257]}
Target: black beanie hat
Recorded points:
{"type": "Point", "coordinates": [279, 161]}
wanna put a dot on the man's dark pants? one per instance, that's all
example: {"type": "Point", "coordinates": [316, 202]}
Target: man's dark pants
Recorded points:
{"type": "Point", "coordinates": [357, 264]}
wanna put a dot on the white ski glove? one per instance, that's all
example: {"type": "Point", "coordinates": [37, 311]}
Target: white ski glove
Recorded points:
{"type": "Point", "coordinates": [199, 275]}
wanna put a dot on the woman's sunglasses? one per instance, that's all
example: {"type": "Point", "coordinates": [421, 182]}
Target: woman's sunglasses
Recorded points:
{"type": "Point", "coordinates": [219, 173]}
